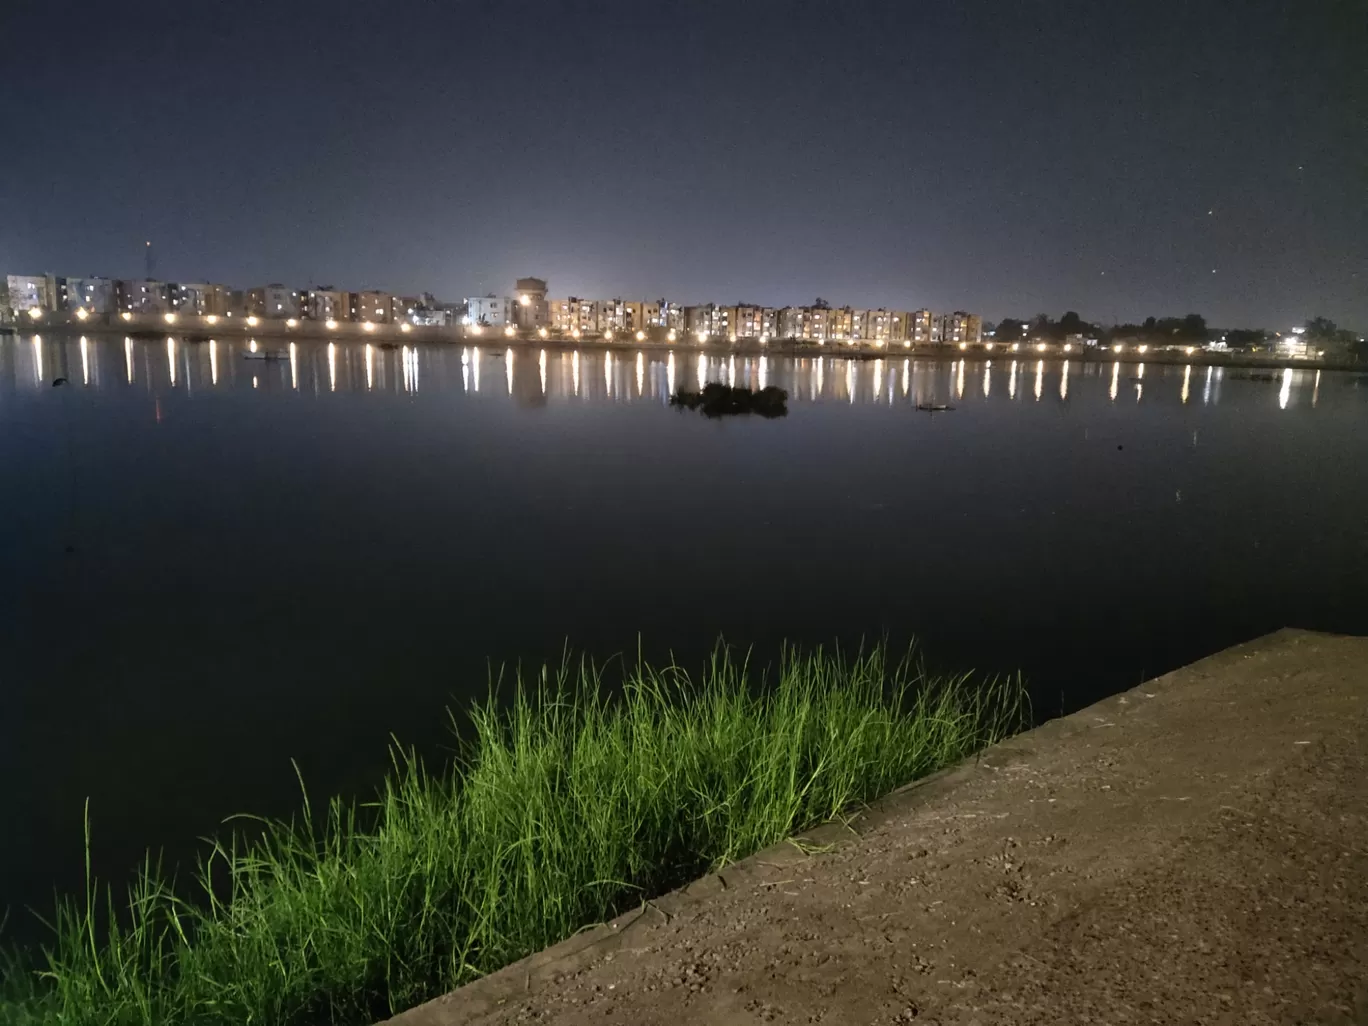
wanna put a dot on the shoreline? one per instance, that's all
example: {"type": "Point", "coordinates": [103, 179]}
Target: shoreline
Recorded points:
{"type": "Point", "coordinates": [1191, 847]}
{"type": "Point", "coordinates": [311, 332]}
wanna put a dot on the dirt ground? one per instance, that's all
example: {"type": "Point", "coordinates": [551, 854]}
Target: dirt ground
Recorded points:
{"type": "Point", "coordinates": [1192, 851]}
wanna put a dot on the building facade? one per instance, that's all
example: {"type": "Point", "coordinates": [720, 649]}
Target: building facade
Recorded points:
{"type": "Point", "coordinates": [32, 292]}
{"type": "Point", "coordinates": [326, 305]}
{"type": "Point", "coordinates": [142, 297]}
{"type": "Point", "coordinates": [93, 295]}
{"type": "Point", "coordinates": [532, 310]}
{"type": "Point", "coordinates": [190, 299]}
{"type": "Point", "coordinates": [371, 307]}
{"type": "Point", "coordinates": [273, 302]}
{"type": "Point", "coordinates": [960, 327]}
{"type": "Point", "coordinates": [574, 314]}
{"type": "Point", "coordinates": [491, 310]}
{"type": "Point", "coordinates": [923, 329]}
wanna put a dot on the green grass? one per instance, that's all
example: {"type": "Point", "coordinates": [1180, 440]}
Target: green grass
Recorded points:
{"type": "Point", "coordinates": [567, 806]}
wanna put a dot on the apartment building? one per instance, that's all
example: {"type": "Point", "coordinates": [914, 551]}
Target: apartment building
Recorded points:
{"type": "Point", "coordinates": [924, 328]}
{"type": "Point", "coordinates": [142, 297]}
{"type": "Point", "coordinates": [960, 327]}
{"type": "Point", "coordinates": [375, 307]}
{"type": "Point", "coordinates": [273, 302]}
{"type": "Point", "coordinates": [573, 314]}
{"type": "Point", "coordinates": [491, 310]}
{"type": "Point", "coordinates": [532, 310]}
{"type": "Point", "coordinates": [93, 295]}
{"type": "Point", "coordinates": [326, 304]}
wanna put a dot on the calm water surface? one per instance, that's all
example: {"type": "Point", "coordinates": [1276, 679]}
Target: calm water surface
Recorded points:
{"type": "Point", "coordinates": [297, 559]}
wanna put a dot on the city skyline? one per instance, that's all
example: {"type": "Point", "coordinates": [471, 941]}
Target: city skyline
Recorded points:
{"type": "Point", "coordinates": [1045, 157]}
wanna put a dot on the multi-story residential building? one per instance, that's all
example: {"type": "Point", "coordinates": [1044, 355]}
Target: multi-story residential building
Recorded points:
{"type": "Point", "coordinates": [274, 301]}
{"type": "Point", "coordinates": [973, 329]}
{"type": "Point", "coordinates": [372, 307]}
{"type": "Point", "coordinates": [709, 319]}
{"type": "Point", "coordinates": [221, 300]}
{"type": "Point", "coordinates": [960, 327]}
{"type": "Point", "coordinates": [326, 304]}
{"type": "Point", "coordinates": [642, 315]}
{"type": "Point", "coordinates": [532, 311]}
{"type": "Point", "coordinates": [880, 326]}
{"type": "Point", "coordinates": [810, 323]}
{"type": "Point", "coordinates": [93, 295]}
{"type": "Point", "coordinates": [671, 315]}
{"type": "Point", "coordinates": [402, 308]}
{"type": "Point", "coordinates": [924, 328]}
{"type": "Point", "coordinates": [142, 297]}
{"type": "Point", "coordinates": [191, 299]}
{"type": "Point", "coordinates": [491, 310]}
{"type": "Point", "coordinates": [752, 321]}
{"type": "Point", "coordinates": [573, 314]}
{"type": "Point", "coordinates": [842, 324]}
{"type": "Point", "coordinates": [611, 314]}
{"type": "Point", "coordinates": [32, 292]}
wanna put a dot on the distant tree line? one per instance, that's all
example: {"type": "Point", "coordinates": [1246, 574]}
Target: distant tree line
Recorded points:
{"type": "Point", "coordinates": [1190, 329]}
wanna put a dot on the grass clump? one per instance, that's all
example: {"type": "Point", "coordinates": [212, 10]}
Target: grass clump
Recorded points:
{"type": "Point", "coordinates": [567, 805]}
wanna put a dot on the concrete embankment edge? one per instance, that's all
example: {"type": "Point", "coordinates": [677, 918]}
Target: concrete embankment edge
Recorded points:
{"type": "Point", "coordinates": [1192, 850]}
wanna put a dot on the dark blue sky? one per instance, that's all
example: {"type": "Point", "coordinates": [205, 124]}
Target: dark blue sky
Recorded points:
{"type": "Point", "coordinates": [1010, 158]}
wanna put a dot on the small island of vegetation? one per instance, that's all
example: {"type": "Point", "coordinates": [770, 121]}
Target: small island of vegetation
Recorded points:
{"type": "Point", "coordinates": [718, 400]}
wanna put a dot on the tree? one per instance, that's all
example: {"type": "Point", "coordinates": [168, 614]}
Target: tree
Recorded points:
{"type": "Point", "coordinates": [1009, 329]}
{"type": "Point", "coordinates": [1322, 327]}
{"type": "Point", "coordinates": [1241, 337]}
{"type": "Point", "coordinates": [1194, 327]}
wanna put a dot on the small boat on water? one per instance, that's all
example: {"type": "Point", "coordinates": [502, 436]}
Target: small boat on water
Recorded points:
{"type": "Point", "coordinates": [935, 407]}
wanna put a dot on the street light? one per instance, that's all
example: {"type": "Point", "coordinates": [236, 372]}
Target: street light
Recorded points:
{"type": "Point", "coordinates": [169, 318]}
{"type": "Point", "coordinates": [126, 315]}
{"type": "Point", "coordinates": [542, 332]}
{"type": "Point", "coordinates": [405, 327]}
{"type": "Point", "coordinates": [212, 318]}
{"type": "Point", "coordinates": [35, 314]}
{"type": "Point", "coordinates": [641, 336]}
{"type": "Point", "coordinates": [290, 322]}
{"type": "Point", "coordinates": [509, 331]}
{"type": "Point", "coordinates": [367, 326]}
{"type": "Point", "coordinates": [81, 313]}
{"type": "Point", "coordinates": [1040, 348]}
{"type": "Point", "coordinates": [331, 324]}
{"type": "Point", "coordinates": [672, 335]}
{"type": "Point", "coordinates": [252, 321]}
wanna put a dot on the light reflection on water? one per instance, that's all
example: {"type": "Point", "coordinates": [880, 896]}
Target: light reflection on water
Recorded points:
{"type": "Point", "coordinates": [384, 563]}
{"type": "Point", "coordinates": [209, 367]}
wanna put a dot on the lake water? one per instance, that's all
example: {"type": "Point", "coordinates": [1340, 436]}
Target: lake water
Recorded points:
{"type": "Point", "coordinates": [297, 559]}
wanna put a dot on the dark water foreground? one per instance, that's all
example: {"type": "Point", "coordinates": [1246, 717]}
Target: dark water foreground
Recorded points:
{"type": "Point", "coordinates": [297, 558]}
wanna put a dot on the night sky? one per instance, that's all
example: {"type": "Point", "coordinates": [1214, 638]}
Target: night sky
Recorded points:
{"type": "Point", "coordinates": [1118, 158]}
